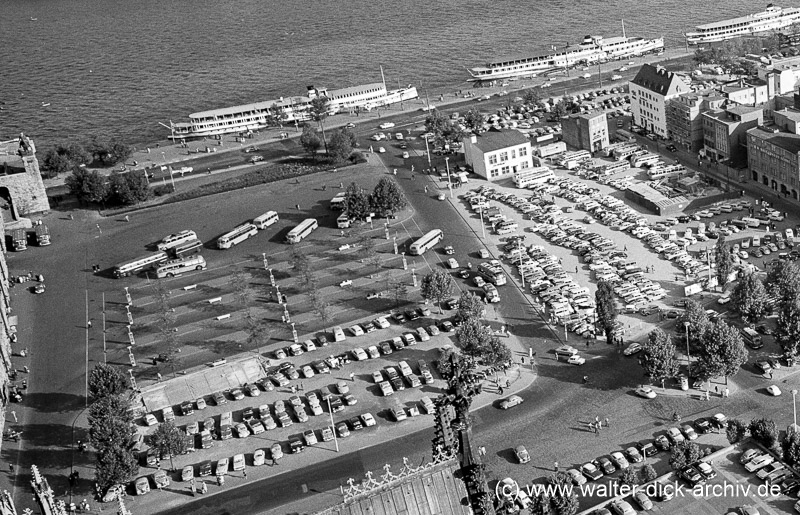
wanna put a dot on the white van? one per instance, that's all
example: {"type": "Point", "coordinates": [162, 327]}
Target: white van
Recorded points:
{"type": "Point", "coordinates": [176, 239]}
{"type": "Point", "coordinates": [751, 222]}
{"type": "Point", "coordinates": [790, 235]}
{"type": "Point", "coordinates": [756, 241]}
{"type": "Point", "coordinates": [265, 220]}
{"type": "Point", "coordinates": [405, 370]}
{"type": "Point", "coordinates": [338, 334]}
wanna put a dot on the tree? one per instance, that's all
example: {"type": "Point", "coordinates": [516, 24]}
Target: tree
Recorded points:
{"type": "Point", "coordinates": [764, 432]}
{"type": "Point", "coordinates": [62, 158]}
{"type": "Point", "coordinates": [399, 290]}
{"type": "Point", "coordinates": [473, 338]}
{"type": "Point", "coordinates": [791, 448]}
{"type": "Point", "coordinates": [442, 127]}
{"type": "Point", "coordinates": [106, 380]}
{"type": "Point", "coordinates": [115, 466]}
{"type": "Point", "coordinates": [109, 152]}
{"type": "Point", "coordinates": [356, 202]}
{"type": "Point", "coordinates": [683, 454]}
{"type": "Point", "coordinates": [470, 306]}
{"type": "Point", "coordinates": [532, 98]}
{"type": "Point", "coordinates": [350, 135]}
{"type": "Point", "coordinates": [724, 260]}
{"type": "Point", "coordinates": [736, 431]}
{"type": "Point", "coordinates": [473, 120]}
{"type": "Point", "coordinates": [606, 308]}
{"type": "Point", "coordinates": [722, 353]}
{"type": "Point", "coordinates": [648, 473]}
{"type": "Point", "coordinates": [559, 110]}
{"type": "Point", "coordinates": [109, 431]}
{"type": "Point", "coordinates": [128, 188]}
{"type": "Point", "coordinates": [783, 281]}
{"type": "Point", "coordinates": [750, 298]}
{"type": "Point", "coordinates": [340, 147]}
{"type": "Point", "coordinates": [324, 311]}
{"type": "Point", "coordinates": [387, 198]}
{"type": "Point", "coordinates": [787, 331]}
{"type": "Point", "coordinates": [309, 140]}
{"type": "Point", "coordinates": [658, 356]}
{"type": "Point", "coordinates": [436, 286]}
{"type": "Point", "coordinates": [630, 476]}
{"type": "Point", "coordinates": [89, 187]}
{"type": "Point", "coordinates": [564, 500]}
{"type": "Point", "coordinates": [168, 440]}
{"type": "Point", "coordinates": [699, 323]}
{"type": "Point", "coordinates": [319, 110]}
{"type": "Point", "coordinates": [496, 353]}
{"type": "Point", "coordinates": [447, 358]}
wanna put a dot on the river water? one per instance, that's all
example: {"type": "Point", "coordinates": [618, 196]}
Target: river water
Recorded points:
{"type": "Point", "coordinates": [116, 68]}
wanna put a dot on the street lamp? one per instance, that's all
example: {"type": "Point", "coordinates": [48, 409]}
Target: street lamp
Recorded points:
{"type": "Point", "coordinates": [688, 360]}
{"type": "Point", "coordinates": [449, 183]}
{"type": "Point", "coordinates": [794, 428]}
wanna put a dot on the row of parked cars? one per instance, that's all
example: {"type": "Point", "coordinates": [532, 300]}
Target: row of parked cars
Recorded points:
{"type": "Point", "coordinates": [771, 471]}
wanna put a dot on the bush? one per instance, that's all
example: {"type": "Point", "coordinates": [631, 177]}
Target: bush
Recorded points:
{"type": "Point", "coordinates": [357, 157]}
{"type": "Point", "coordinates": [162, 190]}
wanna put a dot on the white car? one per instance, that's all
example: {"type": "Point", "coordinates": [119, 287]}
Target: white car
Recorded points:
{"type": "Point", "coordinates": [405, 155]}
{"type": "Point", "coordinates": [576, 360]}
{"type": "Point", "coordinates": [359, 354]}
{"type": "Point", "coordinates": [633, 349]}
{"type": "Point", "coordinates": [381, 150]}
{"type": "Point", "coordinates": [646, 392]}
{"type": "Point", "coordinates": [356, 330]}
{"type": "Point", "coordinates": [452, 263]}
{"type": "Point", "coordinates": [368, 419]}
{"type": "Point", "coordinates": [512, 401]}
{"type": "Point", "coordinates": [381, 323]}
{"type": "Point", "coordinates": [773, 390]}
{"type": "Point", "coordinates": [724, 299]}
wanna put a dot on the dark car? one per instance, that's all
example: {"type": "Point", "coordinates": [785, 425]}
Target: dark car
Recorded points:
{"type": "Point", "coordinates": [265, 384]}
{"type": "Point", "coordinates": [647, 448]}
{"type": "Point", "coordinates": [764, 329]}
{"type": "Point", "coordinates": [187, 408]}
{"type": "Point", "coordinates": [336, 405]}
{"type": "Point", "coordinates": [606, 466]}
{"type": "Point", "coordinates": [356, 424]}
{"type": "Point", "coordinates": [386, 349]}
{"type": "Point", "coordinates": [247, 414]}
{"type": "Point", "coordinates": [412, 314]}
{"type": "Point", "coordinates": [451, 304]}
{"type": "Point", "coordinates": [692, 476]}
{"type": "Point", "coordinates": [790, 485]}
{"type": "Point", "coordinates": [399, 317]}
{"type": "Point", "coordinates": [296, 446]}
{"type": "Point", "coordinates": [703, 425]}
{"type": "Point", "coordinates": [219, 398]}
{"type": "Point", "coordinates": [205, 469]}
{"type": "Point", "coordinates": [672, 148]}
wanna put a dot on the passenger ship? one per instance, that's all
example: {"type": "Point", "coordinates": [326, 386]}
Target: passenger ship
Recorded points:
{"type": "Point", "coordinates": [772, 18]}
{"type": "Point", "coordinates": [259, 115]}
{"type": "Point", "coordinates": [592, 49]}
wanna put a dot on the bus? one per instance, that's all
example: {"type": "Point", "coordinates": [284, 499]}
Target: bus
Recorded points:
{"type": "Point", "coordinates": [19, 240]}
{"type": "Point", "coordinates": [533, 176]}
{"type": "Point", "coordinates": [236, 236]}
{"type": "Point", "coordinates": [137, 265]}
{"type": "Point", "coordinates": [493, 274]}
{"type": "Point", "coordinates": [624, 152]}
{"type": "Point", "coordinates": [302, 230]}
{"type": "Point", "coordinates": [338, 201]}
{"type": "Point", "coordinates": [176, 239]}
{"type": "Point", "coordinates": [190, 247]}
{"type": "Point", "coordinates": [752, 338]}
{"type": "Point", "coordinates": [343, 221]}
{"type": "Point", "coordinates": [645, 160]}
{"type": "Point", "coordinates": [42, 235]}
{"type": "Point", "coordinates": [426, 242]}
{"type": "Point", "coordinates": [265, 220]}
{"type": "Point", "coordinates": [178, 266]}
{"type": "Point", "coordinates": [667, 171]}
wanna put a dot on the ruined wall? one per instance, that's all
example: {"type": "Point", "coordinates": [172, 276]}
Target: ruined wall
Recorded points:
{"type": "Point", "coordinates": [6, 330]}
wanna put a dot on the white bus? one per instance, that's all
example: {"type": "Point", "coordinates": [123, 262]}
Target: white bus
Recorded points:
{"type": "Point", "coordinates": [493, 274]}
{"type": "Point", "coordinates": [645, 160]}
{"type": "Point", "coordinates": [667, 171]}
{"type": "Point", "coordinates": [343, 221]}
{"type": "Point", "coordinates": [265, 220]}
{"type": "Point", "coordinates": [302, 230]}
{"type": "Point", "coordinates": [621, 153]}
{"type": "Point", "coordinates": [426, 242]}
{"type": "Point", "coordinates": [337, 202]}
{"type": "Point", "coordinates": [176, 239]}
{"type": "Point", "coordinates": [178, 266]}
{"type": "Point", "coordinates": [533, 176]}
{"type": "Point", "coordinates": [190, 247]}
{"type": "Point", "coordinates": [236, 236]}
{"type": "Point", "coordinates": [139, 264]}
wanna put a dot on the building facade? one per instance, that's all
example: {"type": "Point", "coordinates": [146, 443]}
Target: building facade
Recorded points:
{"type": "Point", "coordinates": [781, 76]}
{"type": "Point", "coordinates": [649, 91]}
{"type": "Point", "coordinates": [684, 124]}
{"type": "Point", "coordinates": [748, 93]}
{"type": "Point", "coordinates": [773, 154]}
{"type": "Point", "coordinates": [725, 133]}
{"type": "Point", "coordinates": [586, 131]}
{"type": "Point", "coordinates": [498, 154]}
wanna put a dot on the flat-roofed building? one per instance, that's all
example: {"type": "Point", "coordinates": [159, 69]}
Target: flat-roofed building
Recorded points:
{"type": "Point", "coordinates": [498, 154]}
{"type": "Point", "coordinates": [586, 131]}
{"type": "Point", "coordinates": [684, 124]}
{"type": "Point", "coordinates": [773, 153]}
{"type": "Point", "coordinates": [725, 133]}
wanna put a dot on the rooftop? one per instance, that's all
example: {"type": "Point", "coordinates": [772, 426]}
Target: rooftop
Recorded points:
{"type": "Point", "coordinates": [645, 191]}
{"type": "Point", "coordinates": [659, 80]}
{"type": "Point", "coordinates": [785, 140]}
{"type": "Point", "coordinates": [494, 139]}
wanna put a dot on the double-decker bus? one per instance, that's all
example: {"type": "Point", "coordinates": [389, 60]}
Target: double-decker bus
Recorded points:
{"type": "Point", "coordinates": [137, 265]}
{"type": "Point", "coordinates": [301, 231]}
{"type": "Point", "coordinates": [19, 240]}
{"type": "Point", "coordinates": [236, 236]}
{"type": "Point", "coordinates": [493, 274]}
{"type": "Point", "coordinates": [426, 242]}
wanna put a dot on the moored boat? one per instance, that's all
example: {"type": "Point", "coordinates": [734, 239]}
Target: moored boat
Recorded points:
{"type": "Point", "coordinates": [772, 18]}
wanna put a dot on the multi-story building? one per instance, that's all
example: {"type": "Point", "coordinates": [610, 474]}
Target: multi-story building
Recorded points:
{"type": "Point", "coordinates": [684, 124]}
{"type": "Point", "coordinates": [650, 90]}
{"type": "Point", "coordinates": [498, 154]}
{"type": "Point", "coordinates": [781, 76]}
{"type": "Point", "coordinates": [725, 132]}
{"type": "Point", "coordinates": [586, 131]}
{"type": "Point", "coordinates": [749, 93]}
{"type": "Point", "coordinates": [773, 153]}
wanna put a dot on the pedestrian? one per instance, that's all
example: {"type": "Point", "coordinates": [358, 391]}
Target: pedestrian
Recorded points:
{"type": "Point", "coordinates": [11, 467]}
{"type": "Point", "coordinates": [426, 189]}
{"type": "Point", "coordinates": [14, 414]}
{"type": "Point", "coordinates": [555, 466]}
{"type": "Point", "coordinates": [71, 216]}
{"type": "Point", "coordinates": [99, 229]}
{"type": "Point", "coordinates": [89, 324]}
{"type": "Point", "coordinates": [297, 206]}
{"type": "Point", "coordinates": [158, 376]}
{"type": "Point", "coordinates": [127, 218]}
{"type": "Point", "coordinates": [500, 390]}
{"type": "Point", "coordinates": [576, 269]}
{"type": "Point", "coordinates": [716, 390]}
{"type": "Point", "coordinates": [244, 474]}
{"type": "Point", "coordinates": [607, 425]}
{"type": "Point", "coordinates": [726, 393]}
{"type": "Point", "coordinates": [626, 248]}
{"type": "Point", "coordinates": [203, 488]}
{"type": "Point", "coordinates": [708, 395]}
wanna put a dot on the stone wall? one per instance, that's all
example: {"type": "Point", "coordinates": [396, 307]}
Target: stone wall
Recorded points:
{"type": "Point", "coordinates": [6, 332]}
{"type": "Point", "coordinates": [27, 189]}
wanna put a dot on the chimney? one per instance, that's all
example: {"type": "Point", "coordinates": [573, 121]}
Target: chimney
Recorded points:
{"type": "Point", "coordinates": [473, 138]}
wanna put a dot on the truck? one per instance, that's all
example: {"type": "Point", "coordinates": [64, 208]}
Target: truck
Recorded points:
{"type": "Point", "coordinates": [42, 235]}
{"type": "Point", "coordinates": [19, 240]}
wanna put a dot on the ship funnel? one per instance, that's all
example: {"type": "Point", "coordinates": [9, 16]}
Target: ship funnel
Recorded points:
{"type": "Point", "coordinates": [587, 40]}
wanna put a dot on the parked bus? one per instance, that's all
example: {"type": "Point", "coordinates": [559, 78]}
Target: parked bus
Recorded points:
{"type": "Point", "coordinates": [178, 266]}
{"type": "Point", "coordinates": [612, 168]}
{"type": "Point", "coordinates": [236, 236]}
{"type": "Point", "coordinates": [645, 160]}
{"type": "Point", "coordinates": [265, 220]}
{"type": "Point", "coordinates": [42, 235]}
{"type": "Point", "coordinates": [190, 247]}
{"type": "Point", "coordinates": [19, 240]}
{"type": "Point", "coordinates": [337, 202]}
{"type": "Point", "coordinates": [426, 242]}
{"type": "Point", "coordinates": [752, 338]}
{"type": "Point", "coordinates": [137, 265]}
{"type": "Point", "coordinates": [176, 239]}
{"type": "Point", "coordinates": [607, 151]}
{"type": "Point", "coordinates": [493, 274]}
{"type": "Point", "coordinates": [301, 231]}
{"type": "Point", "coordinates": [667, 171]}
{"type": "Point", "coordinates": [621, 153]}
{"type": "Point", "coordinates": [533, 176]}
{"type": "Point", "coordinates": [343, 221]}
{"type": "Point", "coordinates": [751, 222]}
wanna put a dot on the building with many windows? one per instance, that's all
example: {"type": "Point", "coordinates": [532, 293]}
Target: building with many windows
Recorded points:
{"type": "Point", "coordinates": [725, 133]}
{"type": "Point", "coordinates": [748, 93]}
{"type": "Point", "coordinates": [684, 123]}
{"type": "Point", "coordinates": [586, 131]}
{"type": "Point", "coordinates": [773, 153]}
{"type": "Point", "coordinates": [781, 76]}
{"type": "Point", "coordinates": [650, 90]}
{"type": "Point", "coordinates": [498, 154]}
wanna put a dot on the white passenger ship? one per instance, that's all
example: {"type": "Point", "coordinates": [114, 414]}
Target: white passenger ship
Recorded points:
{"type": "Point", "coordinates": [773, 18]}
{"type": "Point", "coordinates": [591, 50]}
{"type": "Point", "coordinates": [259, 115]}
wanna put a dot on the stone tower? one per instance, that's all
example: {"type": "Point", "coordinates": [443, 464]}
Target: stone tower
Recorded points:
{"type": "Point", "coordinates": [21, 187]}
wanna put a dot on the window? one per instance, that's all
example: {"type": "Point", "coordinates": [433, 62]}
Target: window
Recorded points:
{"type": "Point", "coordinates": [503, 156]}
{"type": "Point", "coordinates": [513, 154]}
{"type": "Point", "coordinates": [492, 159]}
{"type": "Point", "coordinates": [524, 164]}
{"type": "Point", "coordinates": [504, 170]}
{"type": "Point", "coordinates": [523, 151]}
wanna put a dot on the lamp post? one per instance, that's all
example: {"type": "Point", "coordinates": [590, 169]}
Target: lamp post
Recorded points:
{"type": "Point", "coordinates": [266, 264]}
{"type": "Point", "coordinates": [794, 405]}
{"type": "Point", "coordinates": [394, 238]}
{"type": "Point", "coordinates": [414, 277]}
{"type": "Point", "coordinates": [428, 152]}
{"type": "Point", "coordinates": [271, 278]}
{"type": "Point", "coordinates": [688, 359]}
{"type": "Point", "coordinates": [449, 183]}
{"type": "Point", "coordinates": [294, 333]}
{"type": "Point", "coordinates": [483, 225]}
{"type": "Point", "coordinates": [405, 263]}
{"type": "Point", "coordinates": [333, 426]}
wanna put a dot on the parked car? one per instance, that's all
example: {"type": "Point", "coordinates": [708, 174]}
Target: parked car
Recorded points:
{"type": "Point", "coordinates": [522, 454]}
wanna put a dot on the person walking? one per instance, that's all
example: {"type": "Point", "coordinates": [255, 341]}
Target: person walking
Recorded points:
{"type": "Point", "coordinates": [555, 466]}
{"type": "Point", "coordinates": [607, 424]}
{"type": "Point", "coordinates": [353, 377]}
{"type": "Point", "coordinates": [244, 474]}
